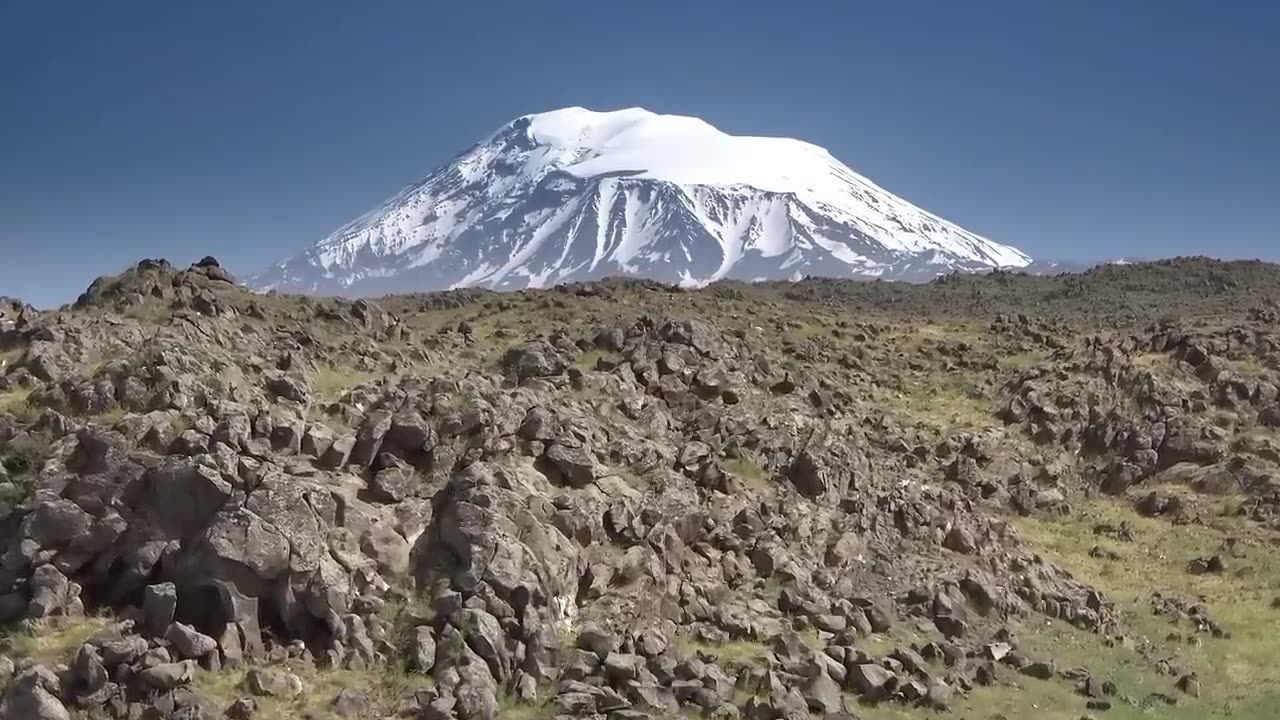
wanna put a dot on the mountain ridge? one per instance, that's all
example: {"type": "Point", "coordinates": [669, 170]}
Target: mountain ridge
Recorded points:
{"type": "Point", "coordinates": [575, 194]}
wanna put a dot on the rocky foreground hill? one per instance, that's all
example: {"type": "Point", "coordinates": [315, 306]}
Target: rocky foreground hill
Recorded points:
{"type": "Point", "coordinates": [997, 496]}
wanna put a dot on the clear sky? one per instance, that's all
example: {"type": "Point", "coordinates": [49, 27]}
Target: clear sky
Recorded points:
{"type": "Point", "coordinates": [246, 130]}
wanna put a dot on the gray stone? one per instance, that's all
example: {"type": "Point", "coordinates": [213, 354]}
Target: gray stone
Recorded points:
{"type": "Point", "coordinates": [265, 682]}
{"type": "Point", "coordinates": [575, 466]}
{"type": "Point", "coordinates": [33, 696]}
{"type": "Point", "coordinates": [1043, 670]}
{"type": "Point", "coordinates": [938, 695]}
{"type": "Point", "coordinates": [960, 540]}
{"type": "Point", "coordinates": [392, 484]}
{"type": "Point", "coordinates": [822, 694]}
{"type": "Point", "coordinates": [423, 651]}
{"type": "Point", "coordinates": [167, 676]}
{"type": "Point", "coordinates": [871, 681]}
{"type": "Point", "coordinates": [387, 548]}
{"type": "Point", "coordinates": [369, 437]}
{"type": "Point", "coordinates": [159, 602]}
{"type": "Point", "coordinates": [189, 643]}
{"type": "Point", "coordinates": [338, 453]}
{"type": "Point", "coordinates": [350, 703]}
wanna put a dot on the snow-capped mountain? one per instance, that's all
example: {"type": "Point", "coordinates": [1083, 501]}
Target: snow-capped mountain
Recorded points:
{"type": "Point", "coordinates": [574, 195]}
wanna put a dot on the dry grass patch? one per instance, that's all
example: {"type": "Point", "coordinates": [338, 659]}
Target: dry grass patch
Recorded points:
{"type": "Point", "coordinates": [512, 708]}
{"type": "Point", "coordinates": [383, 685]}
{"type": "Point", "coordinates": [1023, 360]}
{"type": "Point", "coordinates": [1250, 367]}
{"type": "Point", "coordinates": [17, 402]}
{"type": "Point", "coordinates": [749, 472]}
{"type": "Point", "coordinates": [330, 383]}
{"type": "Point", "coordinates": [54, 640]}
{"type": "Point", "coordinates": [111, 417]}
{"type": "Point", "coordinates": [940, 404]}
{"type": "Point", "coordinates": [733, 653]}
{"type": "Point", "coordinates": [586, 362]}
{"type": "Point", "coordinates": [10, 356]}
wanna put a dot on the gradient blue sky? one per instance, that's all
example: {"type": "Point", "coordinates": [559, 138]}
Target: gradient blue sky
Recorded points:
{"type": "Point", "coordinates": [247, 130]}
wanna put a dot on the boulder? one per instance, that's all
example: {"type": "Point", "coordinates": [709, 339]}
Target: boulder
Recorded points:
{"type": "Point", "coordinates": [167, 676]}
{"type": "Point", "coordinates": [808, 475]}
{"type": "Point", "coordinates": [189, 643]}
{"type": "Point", "coordinates": [369, 437]}
{"type": "Point", "coordinates": [871, 681]}
{"type": "Point", "coordinates": [351, 703]}
{"type": "Point", "coordinates": [271, 682]}
{"type": "Point", "coordinates": [159, 602]}
{"type": "Point", "coordinates": [52, 594]}
{"type": "Point", "coordinates": [32, 695]}
{"type": "Point", "coordinates": [392, 484]}
{"type": "Point", "coordinates": [573, 465]}
{"type": "Point", "coordinates": [822, 695]}
{"type": "Point", "coordinates": [1041, 670]}
{"type": "Point", "coordinates": [422, 653]}
{"type": "Point", "coordinates": [387, 548]}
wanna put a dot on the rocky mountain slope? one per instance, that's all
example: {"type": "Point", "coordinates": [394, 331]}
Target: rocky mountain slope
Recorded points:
{"type": "Point", "coordinates": [574, 195]}
{"type": "Point", "coordinates": [986, 496]}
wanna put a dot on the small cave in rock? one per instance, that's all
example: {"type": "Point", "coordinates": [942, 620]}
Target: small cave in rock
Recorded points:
{"type": "Point", "coordinates": [205, 608]}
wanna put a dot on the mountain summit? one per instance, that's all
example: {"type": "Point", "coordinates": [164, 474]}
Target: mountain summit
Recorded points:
{"type": "Point", "coordinates": [575, 194]}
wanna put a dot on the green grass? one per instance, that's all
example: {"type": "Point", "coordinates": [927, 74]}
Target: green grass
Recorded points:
{"type": "Point", "coordinates": [1150, 360]}
{"type": "Point", "coordinates": [513, 708]}
{"type": "Point", "coordinates": [1239, 677]}
{"type": "Point", "coordinates": [53, 640]}
{"type": "Point", "coordinates": [1250, 368]}
{"type": "Point", "coordinates": [630, 477]}
{"type": "Point", "coordinates": [23, 458]}
{"type": "Point", "coordinates": [330, 383]}
{"type": "Point", "coordinates": [403, 615]}
{"type": "Point", "coordinates": [17, 402]}
{"type": "Point", "coordinates": [111, 417]}
{"type": "Point", "coordinates": [812, 639]}
{"type": "Point", "coordinates": [806, 330]}
{"type": "Point", "coordinates": [936, 401]}
{"type": "Point", "coordinates": [1023, 360]}
{"type": "Point", "coordinates": [384, 685]}
{"type": "Point", "coordinates": [9, 356]}
{"type": "Point", "coordinates": [734, 653]}
{"type": "Point", "coordinates": [747, 470]}
{"type": "Point", "coordinates": [148, 311]}
{"type": "Point", "coordinates": [1026, 698]}
{"type": "Point", "coordinates": [586, 362]}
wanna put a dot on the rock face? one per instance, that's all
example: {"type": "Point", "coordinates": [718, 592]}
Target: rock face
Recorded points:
{"type": "Point", "coordinates": [617, 499]}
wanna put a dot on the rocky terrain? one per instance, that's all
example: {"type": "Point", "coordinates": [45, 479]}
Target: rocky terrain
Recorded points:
{"type": "Point", "coordinates": [989, 496]}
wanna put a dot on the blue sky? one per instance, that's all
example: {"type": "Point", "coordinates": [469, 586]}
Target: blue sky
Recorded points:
{"type": "Point", "coordinates": [1077, 130]}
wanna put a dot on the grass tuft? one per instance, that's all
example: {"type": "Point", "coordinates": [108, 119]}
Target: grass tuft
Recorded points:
{"type": "Point", "coordinates": [331, 383]}
{"type": "Point", "coordinates": [17, 402]}
{"type": "Point", "coordinates": [513, 708]}
{"type": "Point", "coordinates": [734, 653]}
{"type": "Point", "coordinates": [384, 685]}
{"type": "Point", "coordinates": [586, 362]}
{"type": "Point", "coordinates": [54, 640]}
{"type": "Point", "coordinates": [747, 470]}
